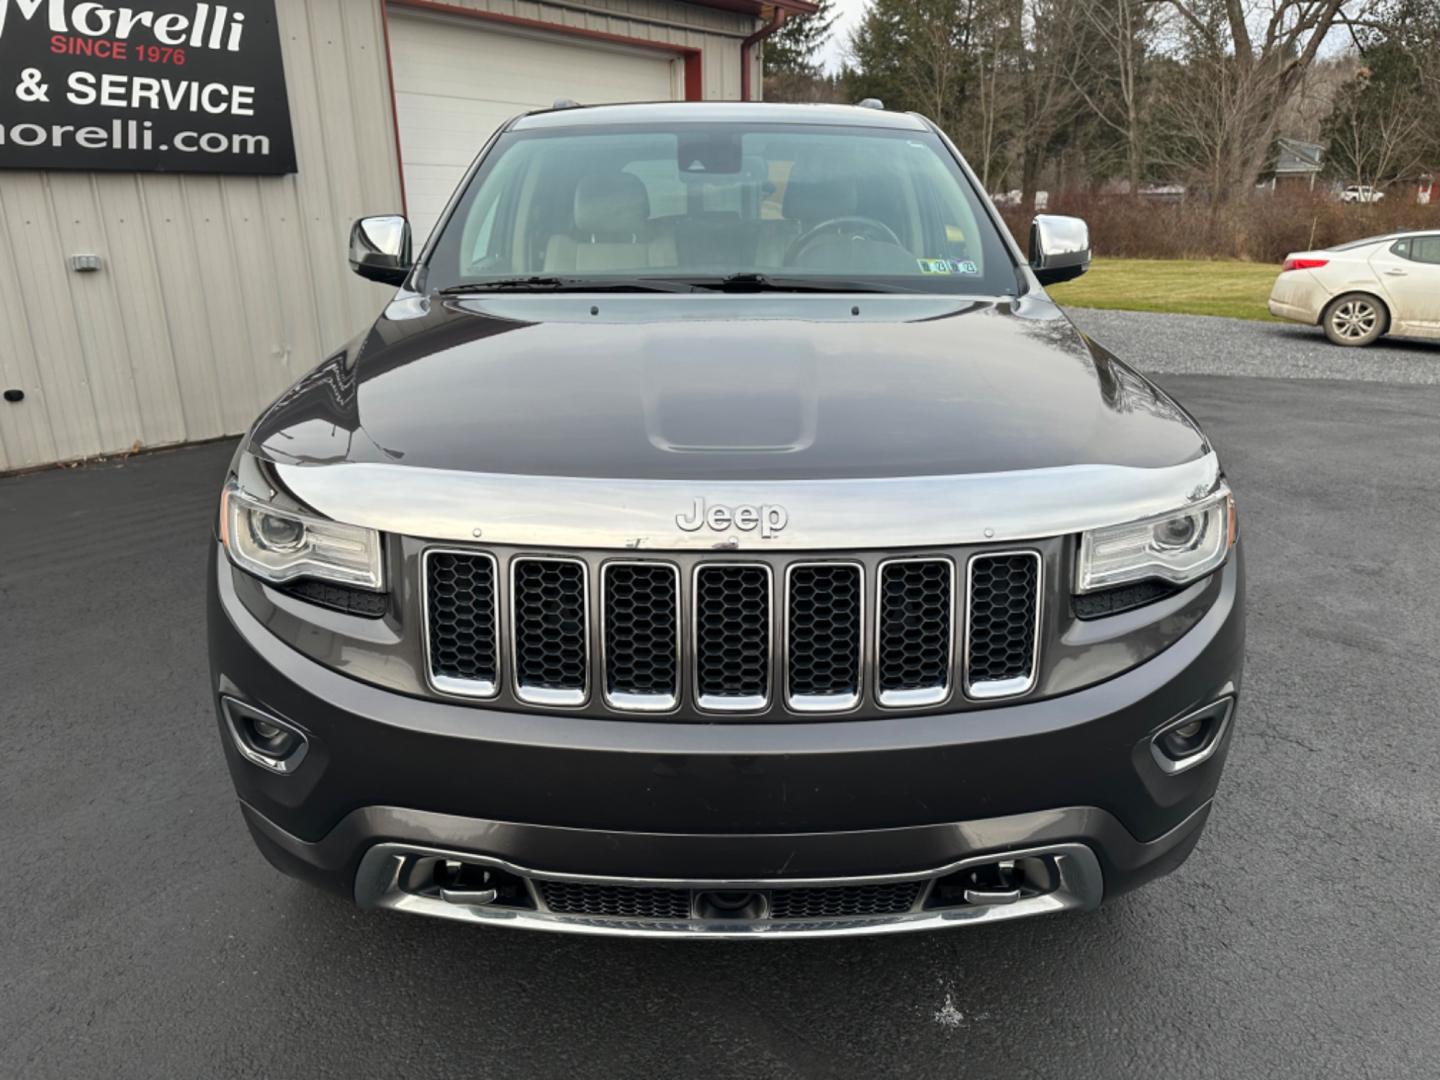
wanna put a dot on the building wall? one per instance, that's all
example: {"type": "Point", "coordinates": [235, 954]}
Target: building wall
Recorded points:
{"type": "Point", "coordinates": [217, 292]}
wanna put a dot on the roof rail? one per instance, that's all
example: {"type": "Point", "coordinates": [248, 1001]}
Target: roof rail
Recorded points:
{"type": "Point", "coordinates": [871, 103]}
{"type": "Point", "coordinates": [565, 103]}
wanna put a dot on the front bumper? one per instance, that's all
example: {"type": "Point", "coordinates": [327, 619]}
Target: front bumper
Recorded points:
{"type": "Point", "coordinates": [725, 806]}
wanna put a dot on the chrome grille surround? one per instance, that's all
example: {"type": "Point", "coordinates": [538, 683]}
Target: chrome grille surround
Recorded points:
{"type": "Point", "coordinates": [451, 684]}
{"type": "Point", "coordinates": [835, 701]}
{"type": "Point", "coordinates": [537, 692]}
{"type": "Point", "coordinates": [782, 692]}
{"type": "Point", "coordinates": [634, 700]}
{"type": "Point", "coordinates": [708, 700]}
{"type": "Point", "coordinates": [982, 689]}
{"type": "Point", "coordinates": [914, 696]}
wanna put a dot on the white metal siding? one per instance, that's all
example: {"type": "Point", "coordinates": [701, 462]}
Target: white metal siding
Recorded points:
{"type": "Point", "coordinates": [457, 80]}
{"type": "Point", "coordinates": [218, 292]}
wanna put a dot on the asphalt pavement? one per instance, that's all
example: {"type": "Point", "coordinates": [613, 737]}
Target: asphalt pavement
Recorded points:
{"type": "Point", "coordinates": [141, 935]}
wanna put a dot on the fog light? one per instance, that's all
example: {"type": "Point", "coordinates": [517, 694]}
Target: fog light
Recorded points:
{"type": "Point", "coordinates": [262, 739]}
{"type": "Point", "coordinates": [1188, 730]}
{"type": "Point", "coordinates": [1192, 739]}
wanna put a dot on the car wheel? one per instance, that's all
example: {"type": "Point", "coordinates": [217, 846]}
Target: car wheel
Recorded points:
{"type": "Point", "coordinates": [1354, 319]}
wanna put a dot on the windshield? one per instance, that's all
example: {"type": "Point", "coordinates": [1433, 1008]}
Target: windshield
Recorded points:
{"type": "Point", "coordinates": [798, 206]}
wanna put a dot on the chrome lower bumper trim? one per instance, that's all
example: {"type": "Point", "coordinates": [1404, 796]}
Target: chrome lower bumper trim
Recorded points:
{"type": "Point", "coordinates": [1078, 885]}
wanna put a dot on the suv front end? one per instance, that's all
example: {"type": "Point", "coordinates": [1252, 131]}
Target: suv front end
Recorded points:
{"type": "Point", "coordinates": [611, 612]}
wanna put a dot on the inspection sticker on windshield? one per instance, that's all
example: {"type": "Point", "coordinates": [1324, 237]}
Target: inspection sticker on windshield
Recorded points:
{"type": "Point", "coordinates": [947, 266]}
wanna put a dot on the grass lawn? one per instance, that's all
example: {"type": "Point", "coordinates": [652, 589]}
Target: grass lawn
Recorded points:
{"type": "Point", "coordinates": [1236, 289]}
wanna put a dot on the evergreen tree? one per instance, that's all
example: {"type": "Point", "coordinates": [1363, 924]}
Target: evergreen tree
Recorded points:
{"type": "Point", "coordinates": [794, 49]}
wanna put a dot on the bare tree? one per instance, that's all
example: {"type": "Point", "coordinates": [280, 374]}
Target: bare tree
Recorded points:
{"type": "Point", "coordinates": [1043, 41]}
{"type": "Point", "coordinates": [1248, 57]}
{"type": "Point", "coordinates": [1111, 80]}
{"type": "Point", "coordinates": [1377, 138]}
{"type": "Point", "coordinates": [994, 100]}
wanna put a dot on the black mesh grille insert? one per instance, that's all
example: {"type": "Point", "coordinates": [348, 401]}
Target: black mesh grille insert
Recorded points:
{"type": "Point", "coordinates": [570, 898]}
{"type": "Point", "coordinates": [461, 600]}
{"type": "Point", "coordinates": [840, 901]}
{"type": "Point", "coordinates": [550, 624]}
{"type": "Point", "coordinates": [1003, 603]}
{"type": "Point", "coordinates": [823, 630]}
{"type": "Point", "coordinates": [352, 601]}
{"type": "Point", "coordinates": [914, 613]}
{"type": "Point", "coordinates": [732, 631]}
{"type": "Point", "coordinates": [641, 629]}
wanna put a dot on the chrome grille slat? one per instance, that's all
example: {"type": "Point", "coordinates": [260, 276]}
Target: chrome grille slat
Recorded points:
{"type": "Point", "coordinates": [550, 629]}
{"type": "Point", "coordinates": [824, 630]}
{"type": "Point", "coordinates": [732, 614]}
{"type": "Point", "coordinates": [915, 629]}
{"type": "Point", "coordinates": [1002, 624]}
{"type": "Point", "coordinates": [641, 635]}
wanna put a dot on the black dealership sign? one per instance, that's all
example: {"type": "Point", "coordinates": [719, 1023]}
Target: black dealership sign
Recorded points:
{"type": "Point", "coordinates": [143, 86]}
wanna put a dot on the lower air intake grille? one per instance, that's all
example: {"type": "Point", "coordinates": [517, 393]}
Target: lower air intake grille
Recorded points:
{"type": "Point", "coordinates": [460, 601]}
{"type": "Point", "coordinates": [840, 901]}
{"type": "Point", "coordinates": [823, 627]}
{"type": "Point", "coordinates": [732, 635]}
{"type": "Point", "coordinates": [622, 901]}
{"type": "Point", "coordinates": [915, 619]}
{"type": "Point", "coordinates": [642, 628]}
{"type": "Point", "coordinates": [645, 902]}
{"type": "Point", "coordinates": [1004, 609]}
{"type": "Point", "coordinates": [551, 633]}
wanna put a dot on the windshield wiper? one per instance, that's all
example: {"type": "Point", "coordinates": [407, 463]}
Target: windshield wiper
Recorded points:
{"type": "Point", "coordinates": [753, 282]}
{"type": "Point", "coordinates": [554, 283]}
{"type": "Point", "coordinates": [737, 283]}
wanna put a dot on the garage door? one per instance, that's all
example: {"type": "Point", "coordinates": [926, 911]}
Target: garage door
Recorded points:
{"type": "Point", "coordinates": [457, 80]}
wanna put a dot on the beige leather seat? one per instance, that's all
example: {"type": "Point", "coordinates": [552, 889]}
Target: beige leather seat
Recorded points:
{"type": "Point", "coordinates": [613, 230]}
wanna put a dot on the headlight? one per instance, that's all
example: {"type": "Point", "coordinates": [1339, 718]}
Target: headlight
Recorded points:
{"type": "Point", "coordinates": [1177, 547]}
{"type": "Point", "coordinates": [281, 545]}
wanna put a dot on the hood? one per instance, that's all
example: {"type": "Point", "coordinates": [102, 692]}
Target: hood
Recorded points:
{"type": "Point", "coordinates": [734, 387]}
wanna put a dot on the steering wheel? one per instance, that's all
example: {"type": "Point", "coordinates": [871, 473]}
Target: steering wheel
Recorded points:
{"type": "Point", "coordinates": [878, 229]}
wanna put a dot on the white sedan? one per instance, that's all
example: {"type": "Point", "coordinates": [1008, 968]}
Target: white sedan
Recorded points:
{"type": "Point", "coordinates": [1359, 291]}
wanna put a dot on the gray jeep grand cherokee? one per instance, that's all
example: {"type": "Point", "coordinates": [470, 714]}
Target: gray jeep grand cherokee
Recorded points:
{"type": "Point", "coordinates": [721, 533]}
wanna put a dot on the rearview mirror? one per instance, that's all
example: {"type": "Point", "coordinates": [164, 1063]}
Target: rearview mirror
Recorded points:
{"type": "Point", "coordinates": [380, 248]}
{"type": "Point", "coordinates": [1059, 248]}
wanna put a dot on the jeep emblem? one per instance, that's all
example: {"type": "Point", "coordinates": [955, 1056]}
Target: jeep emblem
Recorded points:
{"type": "Point", "coordinates": [768, 518]}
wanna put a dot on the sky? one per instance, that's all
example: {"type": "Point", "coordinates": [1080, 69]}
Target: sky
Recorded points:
{"type": "Point", "coordinates": [849, 14]}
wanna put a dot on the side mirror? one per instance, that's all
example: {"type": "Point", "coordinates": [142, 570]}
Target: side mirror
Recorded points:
{"type": "Point", "coordinates": [1059, 248]}
{"type": "Point", "coordinates": [380, 248]}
